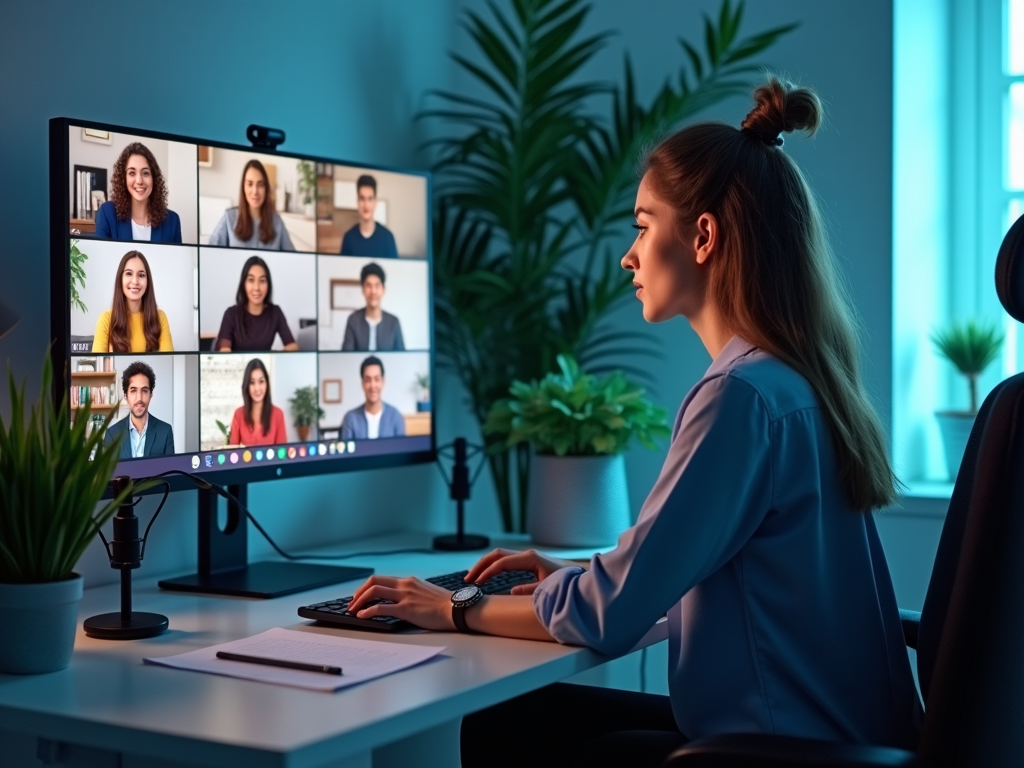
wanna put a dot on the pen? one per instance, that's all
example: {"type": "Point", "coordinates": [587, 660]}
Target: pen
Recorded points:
{"type": "Point", "coordinates": [326, 669]}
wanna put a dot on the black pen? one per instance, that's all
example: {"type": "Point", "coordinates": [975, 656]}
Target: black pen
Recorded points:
{"type": "Point", "coordinates": [326, 669]}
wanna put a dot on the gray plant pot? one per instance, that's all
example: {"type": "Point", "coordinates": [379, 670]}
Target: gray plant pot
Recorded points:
{"type": "Point", "coordinates": [577, 501]}
{"type": "Point", "coordinates": [37, 625]}
{"type": "Point", "coordinates": [955, 427]}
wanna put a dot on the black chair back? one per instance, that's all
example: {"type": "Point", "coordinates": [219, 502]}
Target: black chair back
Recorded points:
{"type": "Point", "coordinates": [971, 640]}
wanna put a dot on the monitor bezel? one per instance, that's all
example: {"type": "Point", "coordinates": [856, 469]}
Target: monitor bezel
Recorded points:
{"type": "Point", "coordinates": [60, 311]}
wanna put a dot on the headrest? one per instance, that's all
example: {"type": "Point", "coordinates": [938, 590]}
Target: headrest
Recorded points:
{"type": "Point", "coordinates": [1010, 271]}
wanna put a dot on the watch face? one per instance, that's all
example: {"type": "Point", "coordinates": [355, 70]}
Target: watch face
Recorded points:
{"type": "Point", "coordinates": [466, 593]}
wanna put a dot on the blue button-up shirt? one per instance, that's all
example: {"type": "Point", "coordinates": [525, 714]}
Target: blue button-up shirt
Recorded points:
{"type": "Point", "coordinates": [138, 439]}
{"type": "Point", "coordinates": [781, 612]}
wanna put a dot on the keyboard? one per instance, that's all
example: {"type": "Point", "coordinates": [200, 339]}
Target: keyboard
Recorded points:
{"type": "Point", "coordinates": [336, 611]}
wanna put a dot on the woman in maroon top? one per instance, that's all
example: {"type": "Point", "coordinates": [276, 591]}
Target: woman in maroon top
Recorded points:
{"type": "Point", "coordinates": [251, 324]}
{"type": "Point", "coordinates": [258, 421]}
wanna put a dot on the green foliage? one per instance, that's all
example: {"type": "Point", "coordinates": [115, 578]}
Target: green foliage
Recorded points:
{"type": "Point", "coordinates": [225, 430]}
{"type": "Point", "coordinates": [49, 486]}
{"type": "Point", "coordinates": [534, 182]}
{"type": "Point", "coordinates": [576, 414]}
{"type": "Point", "coordinates": [305, 409]}
{"type": "Point", "coordinates": [78, 259]}
{"type": "Point", "coordinates": [970, 347]}
{"type": "Point", "coordinates": [307, 181]}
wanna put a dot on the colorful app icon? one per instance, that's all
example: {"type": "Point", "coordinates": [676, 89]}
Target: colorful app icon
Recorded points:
{"type": "Point", "coordinates": [247, 457]}
{"type": "Point", "coordinates": [221, 458]}
{"type": "Point", "coordinates": [351, 446]}
{"type": "Point", "coordinates": [280, 453]}
{"type": "Point", "coordinates": [321, 449]}
{"type": "Point", "coordinates": [312, 450]}
{"type": "Point", "coordinates": [234, 457]}
{"type": "Point", "coordinates": [341, 447]}
{"type": "Point", "coordinates": [333, 448]}
{"type": "Point", "coordinates": [270, 454]}
{"type": "Point", "coordinates": [209, 460]}
{"type": "Point", "coordinates": [195, 462]}
{"type": "Point", "coordinates": [292, 453]}
{"type": "Point", "coordinates": [259, 455]}
{"type": "Point", "coordinates": [302, 451]}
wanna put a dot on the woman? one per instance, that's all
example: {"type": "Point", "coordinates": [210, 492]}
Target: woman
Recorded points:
{"type": "Point", "coordinates": [251, 324]}
{"type": "Point", "coordinates": [137, 209]}
{"type": "Point", "coordinates": [254, 223]}
{"type": "Point", "coordinates": [133, 323]}
{"type": "Point", "coordinates": [258, 421]}
{"type": "Point", "coordinates": [757, 540]}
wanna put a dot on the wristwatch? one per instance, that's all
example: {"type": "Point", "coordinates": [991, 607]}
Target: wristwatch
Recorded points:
{"type": "Point", "coordinates": [461, 600]}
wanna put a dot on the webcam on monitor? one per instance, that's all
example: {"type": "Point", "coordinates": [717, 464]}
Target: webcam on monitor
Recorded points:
{"type": "Point", "coordinates": [264, 138]}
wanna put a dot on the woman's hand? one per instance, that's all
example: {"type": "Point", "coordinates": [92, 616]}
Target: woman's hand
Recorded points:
{"type": "Point", "coordinates": [414, 600]}
{"type": "Point", "coordinates": [500, 560]}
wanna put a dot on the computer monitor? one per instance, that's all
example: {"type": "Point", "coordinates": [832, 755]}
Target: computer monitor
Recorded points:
{"type": "Point", "coordinates": [240, 313]}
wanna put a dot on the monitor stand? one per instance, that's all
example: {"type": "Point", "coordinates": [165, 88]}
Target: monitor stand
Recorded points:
{"type": "Point", "coordinates": [224, 568]}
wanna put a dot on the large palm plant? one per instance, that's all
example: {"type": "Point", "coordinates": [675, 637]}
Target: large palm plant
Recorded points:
{"type": "Point", "coordinates": [532, 184]}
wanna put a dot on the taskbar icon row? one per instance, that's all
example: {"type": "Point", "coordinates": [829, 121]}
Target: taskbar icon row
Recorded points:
{"type": "Point", "coordinates": [244, 455]}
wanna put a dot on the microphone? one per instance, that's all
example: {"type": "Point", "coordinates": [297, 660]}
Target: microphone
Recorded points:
{"type": "Point", "coordinates": [125, 554]}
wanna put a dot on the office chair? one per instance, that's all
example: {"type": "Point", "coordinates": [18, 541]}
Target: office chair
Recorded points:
{"type": "Point", "coordinates": [969, 636]}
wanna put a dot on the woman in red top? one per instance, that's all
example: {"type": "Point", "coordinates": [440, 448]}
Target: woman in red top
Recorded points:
{"type": "Point", "coordinates": [258, 422]}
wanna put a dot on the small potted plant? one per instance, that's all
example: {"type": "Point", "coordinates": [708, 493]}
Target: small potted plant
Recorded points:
{"type": "Point", "coordinates": [306, 187]}
{"type": "Point", "coordinates": [305, 410]}
{"type": "Point", "coordinates": [53, 473]}
{"type": "Point", "coordinates": [579, 427]}
{"type": "Point", "coordinates": [423, 385]}
{"type": "Point", "coordinates": [970, 347]}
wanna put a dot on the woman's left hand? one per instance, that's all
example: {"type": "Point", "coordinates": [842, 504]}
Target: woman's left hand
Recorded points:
{"type": "Point", "coordinates": [414, 600]}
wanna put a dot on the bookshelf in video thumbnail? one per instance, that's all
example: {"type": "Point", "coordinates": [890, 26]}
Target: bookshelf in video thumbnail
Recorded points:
{"type": "Point", "coordinates": [230, 301]}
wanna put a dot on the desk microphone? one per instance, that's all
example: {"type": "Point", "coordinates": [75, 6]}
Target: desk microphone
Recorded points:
{"type": "Point", "coordinates": [125, 553]}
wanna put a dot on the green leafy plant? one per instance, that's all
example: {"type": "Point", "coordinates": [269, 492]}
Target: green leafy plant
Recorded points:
{"type": "Point", "coordinates": [970, 347]}
{"type": "Point", "coordinates": [51, 479]}
{"type": "Point", "coordinates": [576, 414]}
{"type": "Point", "coordinates": [532, 184]}
{"type": "Point", "coordinates": [307, 181]}
{"type": "Point", "coordinates": [423, 382]}
{"type": "Point", "coordinates": [78, 259]}
{"type": "Point", "coordinates": [305, 409]}
{"type": "Point", "coordinates": [225, 430]}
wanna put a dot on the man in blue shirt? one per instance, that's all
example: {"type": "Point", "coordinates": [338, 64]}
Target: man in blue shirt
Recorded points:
{"type": "Point", "coordinates": [368, 238]}
{"type": "Point", "coordinates": [147, 435]}
{"type": "Point", "coordinates": [374, 418]}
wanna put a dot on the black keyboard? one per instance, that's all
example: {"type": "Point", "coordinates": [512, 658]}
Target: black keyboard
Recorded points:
{"type": "Point", "coordinates": [336, 611]}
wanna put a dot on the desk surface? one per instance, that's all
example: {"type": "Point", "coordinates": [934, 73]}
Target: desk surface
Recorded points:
{"type": "Point", "coordinates": [109, 699]}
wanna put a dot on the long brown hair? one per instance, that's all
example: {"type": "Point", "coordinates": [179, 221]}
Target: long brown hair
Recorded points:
{"type": "Point", "coordinates": [243, 227]}
{"type": "Point", "coordinates": [774, 278]}
{"type": "Point", "coordinates": [119, 190]}
{"type": "Point", "coordinates": [268, 406]}
{"type": "Point", "coordinates": [120, 331]}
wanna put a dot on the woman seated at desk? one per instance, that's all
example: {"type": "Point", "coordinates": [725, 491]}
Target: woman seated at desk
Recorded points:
{"type": "Point", "coordinates": [258, 421]}
{"type": "Point", "coordinates": [133, 323]}
{"type": "Point", "coordinates": [757, 540]}
{"type": "Point", "coordinates": [251, 324]}
{"type": "Point", "coordinates": [253, 223]}
{"type": "Point", "coordinates": [137, 209]}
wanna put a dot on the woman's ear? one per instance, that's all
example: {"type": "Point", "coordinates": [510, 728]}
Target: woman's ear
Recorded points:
{"type": "Point", "coordinates": [706, 236]}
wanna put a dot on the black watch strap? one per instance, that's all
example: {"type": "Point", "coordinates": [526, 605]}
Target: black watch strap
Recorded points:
{"type": "Point", "coordinates": [461, 602]}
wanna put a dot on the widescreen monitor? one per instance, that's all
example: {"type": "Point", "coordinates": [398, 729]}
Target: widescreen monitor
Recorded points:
{"type": "Point", "coordinates": [241, 313]}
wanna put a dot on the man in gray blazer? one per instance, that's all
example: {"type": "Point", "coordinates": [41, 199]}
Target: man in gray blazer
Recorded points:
{"type": "Point", "coordinates": [374, 418]}
{"type": "Point", "coordinates": [144, 434]}
{"type": "Point", "coordinates": [371, 329]}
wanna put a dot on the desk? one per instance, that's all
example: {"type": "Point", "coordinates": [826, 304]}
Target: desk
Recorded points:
{"type": "Point", "coordinates": [115, 711]}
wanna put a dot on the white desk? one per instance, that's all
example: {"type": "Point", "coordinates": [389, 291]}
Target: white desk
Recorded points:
{"type": "Point", "coordinates": [115, 711]}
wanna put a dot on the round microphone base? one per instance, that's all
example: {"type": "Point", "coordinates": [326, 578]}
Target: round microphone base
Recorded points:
{"type": "Point", "coordinates": [110, 626]}
{"type": "Point", "coordinates": [455, 543]}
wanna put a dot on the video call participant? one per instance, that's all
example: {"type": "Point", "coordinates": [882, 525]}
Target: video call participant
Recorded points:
{"type": "Point", "coordinates": [137, 208]}
{"type": "Point", "coordinates": [251, 324]}
{"type": "Point", "coordinates": [371, 328]}
{"type": "Point", "coordinates": [374, 418]}
{"type": "Point", "coordinates": [368, 238]}
{"type": "Point", "coordinates": [133, 323]}
{"type": "Point", "coordinates": [253, 223]}
{"type": "Point", "coordinates": [147, 435]}
{"type": "Point", "coordinates": [258, 421]}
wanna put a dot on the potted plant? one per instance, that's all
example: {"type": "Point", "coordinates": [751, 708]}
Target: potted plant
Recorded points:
{"type": "Point", "coordinates": [970, 347]}
{"type": "Point", "coordinates": [305, 410]}
{"type": "Point", "coordinates": [307, 187]}
{"type": "Point", "coordinates": [579, 426]}
{"type": "Point", "coordinates": [423, 384]}
{"type": "Point", "coordinates": [53, 473]}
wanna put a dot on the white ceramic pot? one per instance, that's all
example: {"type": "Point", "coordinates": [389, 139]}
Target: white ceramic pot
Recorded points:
{"type": "Point", "coordinates": [955, 427]}
{"type": "Point", "coordinates": [577, 501]}
{"type": "Point", "coordinates": [38, 624]}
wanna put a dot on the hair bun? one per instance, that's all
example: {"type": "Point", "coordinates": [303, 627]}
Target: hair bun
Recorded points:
{"type": "Point", "coordinates": [782, 107]}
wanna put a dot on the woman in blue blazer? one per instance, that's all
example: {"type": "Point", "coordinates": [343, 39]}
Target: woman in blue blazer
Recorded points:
{"type": "Point", "coordinates": [137, 209]}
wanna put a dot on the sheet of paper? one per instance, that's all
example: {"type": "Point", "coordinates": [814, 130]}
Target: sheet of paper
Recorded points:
{"type": "Point", "coordinates": [360, 660]}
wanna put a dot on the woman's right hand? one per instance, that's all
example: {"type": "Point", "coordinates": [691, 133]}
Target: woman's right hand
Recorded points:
{"type": "Point", "coordinates": [501, 560]}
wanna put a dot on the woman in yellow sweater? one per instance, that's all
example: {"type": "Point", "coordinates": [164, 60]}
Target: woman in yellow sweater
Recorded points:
{"type": "Point", "coordinates": [133, 323]}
